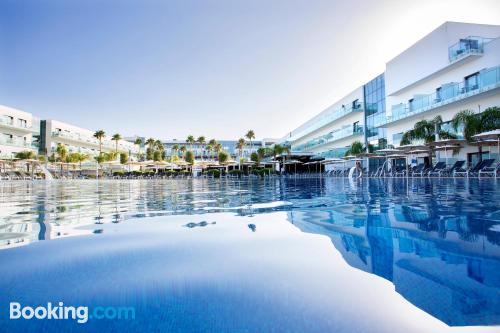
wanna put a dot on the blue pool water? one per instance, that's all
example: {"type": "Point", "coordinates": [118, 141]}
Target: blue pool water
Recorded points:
{"type": "Point", "coordinates": [279, 255]}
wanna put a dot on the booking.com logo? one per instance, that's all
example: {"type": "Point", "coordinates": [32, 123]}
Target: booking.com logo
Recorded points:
{"type": "Point", "coordinates": [62, 312]}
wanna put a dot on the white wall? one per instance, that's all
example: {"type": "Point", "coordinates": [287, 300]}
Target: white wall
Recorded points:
{"type": "Point", "coordinates": [430, 54]}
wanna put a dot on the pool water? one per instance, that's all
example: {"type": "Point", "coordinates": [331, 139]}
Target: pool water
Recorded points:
{"type": "Point", "coordinates": [275, 255]}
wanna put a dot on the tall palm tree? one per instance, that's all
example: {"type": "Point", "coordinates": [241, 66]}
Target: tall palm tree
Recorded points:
{"type": "Point", "coordinates": [160, 147]}
{"type": "Point", "coordinates": [250, 136]}
{"type": "Point", "coordinates": [150, 150]}
{"type": "Point", "coordinates": [190, 139]}
{"type": "Point", "coordinates": [116, 137]}
{"type": "Point", "coordinates": [240, 145]}
{"type": "Point", "coordinates": [99, 135]}
{"type": "Point", "coordinates": [61, 154]}
{"type": "Point", "coordinates": [209, 149]}
{"type": "Point", "coordinates": [475, 123]}
{"type": "Point", "coordinates": [183, 150]}
{"type": "Point", "coordinates": [201, 140]}
{"type": "Point", "coordinates": [173, 152]}
{"type": "Point", "coordinates": [218, 149]}
{"type": "Point", "coordinates": [138, 142]}
{"type": "Point", "coordinates": [212, 143]}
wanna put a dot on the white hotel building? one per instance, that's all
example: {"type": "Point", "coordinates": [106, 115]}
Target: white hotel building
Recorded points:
{"type": "Point", "coordinates": [19, 131]}
{"type": "Point", "coordinates": [77, 139]}
{"type": "Point", "coordinates": [456, 67]}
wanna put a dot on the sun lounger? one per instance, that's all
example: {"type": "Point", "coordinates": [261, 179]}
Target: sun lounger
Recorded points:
{"type": "Point", "coordinates": [474, 170]}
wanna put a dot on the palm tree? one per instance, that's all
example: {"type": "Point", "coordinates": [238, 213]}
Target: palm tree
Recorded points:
{"type": "Point", "coordinates": [475, 123]}
{"type": "Point", "coordinates": [190, 139]}
{"type": "Point", "coordinates": [138, 142]}
{"type": "Point", "coordinates": [173, 152]}
{"type": "Point", "coordinates": [212, 143]}
{"type": "Point", "coordinates": [428, 131]}
{"type": "Point", "coordinates": [209, 149]}
{"type": "Point", "coordinates": [201, 141]}
{"type": "Point", "coordinates": [160, 147]}
{"type": "Point", "coordinates": [250, 136]}
{"type": "Point", "coordinates": [240, 145]}
{"type": "Point", "coordinates": [99, 135]}
{"type": "Point", "coordinates": [355, 149]}
{"type": "Point", "coordinates": [183, 150]}
{"type": "Point", "coordinates": [116, 137]}
{"type": "Point", "coordinates": [150, 150]}
{"type": "Point", "coordinates": [61, 153]}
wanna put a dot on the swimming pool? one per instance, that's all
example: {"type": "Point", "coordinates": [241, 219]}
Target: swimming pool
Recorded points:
{"type": "Point", "coordinates": [274, 255]}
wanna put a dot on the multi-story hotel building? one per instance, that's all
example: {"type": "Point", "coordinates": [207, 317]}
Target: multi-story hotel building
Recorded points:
{"type": "Point", "coordinates": [229, 146]}
{"type": "Point", "coordinates": [456, 67]}
{"type": "Point", "coordinates": [77, 139]}
{"type": "Point", "coordinates": [18, 132]}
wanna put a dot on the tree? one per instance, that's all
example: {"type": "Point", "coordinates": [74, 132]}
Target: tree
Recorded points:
{"type": "Point", "coordinates": [475, 123]}
{"type": "Point", "coordinates": [201, 141]}
{"type": "Point", "coordinates": [25, 155]}
{"type": "Point", "coordinates": [99, 135]}
{"type": "Point", "coordinates": [240, 145]}
{"type": "Point", "coordinates": [123, 158]}
{"type": "Point", "coordinates": [138, 142]}
{"type": "Point", "coordinates": [428, 131]}
{"type": "Point", "coordinates": [250, 136]}
{"type": "Point", "coordinates": [61, 152]}
{"type": "Point", "coordinates": [189, 157]}
{"type": "Point", "coordinates": [223, 157]}
{"type": "Point", "coordinates": [355, 149]}
{"type": "Point", "coordinates": [160, 148]}
{"type": "Point", "coordinates": [116, 137]}
{"type": "Point", "coordinates": [190, 140]}
{"type": "Point", "coordinates": [183, 150]}
{"type": "Point", "coordinates": [209, 149]}
{"type": "Point", "coordinates": [173, 152]}
{"type": "Point", "coordinates": [150, 150]}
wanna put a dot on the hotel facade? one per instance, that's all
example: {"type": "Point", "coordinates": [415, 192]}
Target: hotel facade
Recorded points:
{"type": "Point", "coordinates": [456, 67]}
{"type": "Point", "coordinates": [19, 131]}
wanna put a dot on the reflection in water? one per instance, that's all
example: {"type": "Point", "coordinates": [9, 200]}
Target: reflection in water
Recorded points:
{"type": "Point", "coordinates": [437, 241]}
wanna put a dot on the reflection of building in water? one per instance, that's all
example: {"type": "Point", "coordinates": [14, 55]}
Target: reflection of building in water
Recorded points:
{"type": "Point", "coordinates": [447, 273]}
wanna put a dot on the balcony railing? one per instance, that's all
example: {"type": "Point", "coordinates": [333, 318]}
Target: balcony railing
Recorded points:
{"type": "Point", "coordinates": [342, 133]}
{"type": "Point", "coordinates": [466, 46]}
{"type": "Point", "coordinates": [6, 121]}
{"type": "Point", "coordinates": [487, 80]}
{"type": "Point", "coordinates": [15, 143]}
{"type": "Point", "coordinates": [91, 141]}
{"type": "Point", "coordinates": [328, 117]}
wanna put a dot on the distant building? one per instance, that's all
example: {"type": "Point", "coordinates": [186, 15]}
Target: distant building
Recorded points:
{"type": "Point", "coordinates": [77, 139]}
{"type": "Point", "coordinates": [19, 131]}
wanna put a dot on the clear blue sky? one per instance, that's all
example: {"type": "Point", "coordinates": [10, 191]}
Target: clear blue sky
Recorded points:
{"type": "Point", "coordinates": [216, 68]}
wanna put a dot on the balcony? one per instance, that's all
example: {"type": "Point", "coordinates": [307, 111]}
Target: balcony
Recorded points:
{"type": "Point", "coordinates": [471, 45]}
{"type": "Point", "coordinates": [76, 138]}
{"type": "Point", "coordinates": [91, 142]}
{"type": "Point", "coordinates": [16, 143]}
{"type": "Point", "coordinates": [330, 115]}
{"type": "Point", "coordinates": [339, 134]}
{"type": "Point", "coordinates": [486, 80]}
{"type": "Point", "coordinates": [18, 126]}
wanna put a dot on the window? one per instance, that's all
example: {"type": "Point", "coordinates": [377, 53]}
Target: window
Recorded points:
{"type": "Point", "coordinates": [471, 82]}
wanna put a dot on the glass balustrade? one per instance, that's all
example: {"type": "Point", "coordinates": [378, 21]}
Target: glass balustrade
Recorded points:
{"type": "Point", "coordinates": [7, 121]}
{"type": "Point", "coordinates": [339, 134]}
{"type": "Point", "coordinates": [466, 46]}
{"type": "Point", "coordinates": [328, 116]}
{"type": "Point", "coordinates": [486, 80]}
{"type": "Point", "coordinates": [14, 142]}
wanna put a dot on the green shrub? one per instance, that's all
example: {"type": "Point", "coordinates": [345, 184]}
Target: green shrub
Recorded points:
{"type": "Point", "coordinates": [119, 173]}
{"type": "Point", "coordinates": [123, 158]}
{"type": "Point", "coordinates": [235, 172]}
{"type": "Point", "coordinates": [214, 172]}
